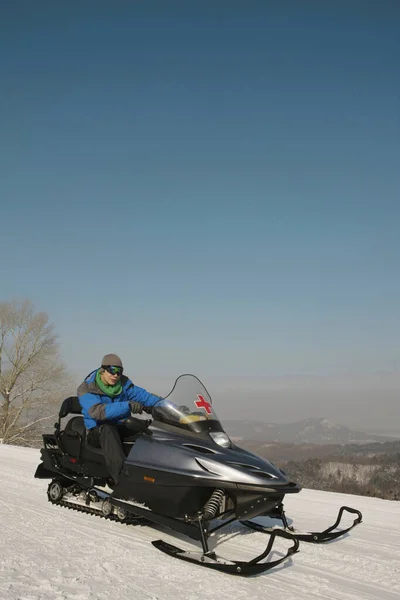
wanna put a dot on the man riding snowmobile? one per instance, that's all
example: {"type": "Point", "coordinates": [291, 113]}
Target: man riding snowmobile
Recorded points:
{"type": "Point", "coordinates": [181, 471]}
{"type": "Point", "coordinates": [107, 397]}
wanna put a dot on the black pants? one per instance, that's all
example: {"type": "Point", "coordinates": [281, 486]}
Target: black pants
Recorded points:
{"type": "Point", "coordinates": [109, 438]}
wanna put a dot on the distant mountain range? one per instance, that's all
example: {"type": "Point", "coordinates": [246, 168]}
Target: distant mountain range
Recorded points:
{"type": "Point", "coordinates": [309, 431]}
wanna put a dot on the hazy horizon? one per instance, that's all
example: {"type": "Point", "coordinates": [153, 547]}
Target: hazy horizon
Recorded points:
{"type": "Point", "coordinates": [358, 401]}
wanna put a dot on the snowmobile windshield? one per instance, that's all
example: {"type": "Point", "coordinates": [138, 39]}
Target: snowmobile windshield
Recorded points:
{"type": "Point", "coordinates": [188, 406]}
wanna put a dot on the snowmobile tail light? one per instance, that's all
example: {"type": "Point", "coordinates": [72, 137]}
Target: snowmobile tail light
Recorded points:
{"type": "Point", "coordinates": [220, 438]}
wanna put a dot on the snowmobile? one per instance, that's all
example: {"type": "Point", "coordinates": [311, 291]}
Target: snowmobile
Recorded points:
{"type": "Point", "coordinates": [181, 472]}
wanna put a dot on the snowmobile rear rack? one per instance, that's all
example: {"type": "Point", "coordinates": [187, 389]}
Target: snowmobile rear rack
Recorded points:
{"type": "Point", "coordinates": [211, 560]}
{"type": "Point", "coordinates": [310, 536]}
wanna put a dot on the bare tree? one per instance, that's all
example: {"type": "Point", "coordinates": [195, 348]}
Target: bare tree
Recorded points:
{"type": "Point", "coordinates": [32, 376]}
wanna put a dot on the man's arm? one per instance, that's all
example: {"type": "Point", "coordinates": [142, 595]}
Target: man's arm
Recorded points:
{"type": "Point", "coordinates": [138, 394]}
{"type": "Point", "coordinates": [100, 411]}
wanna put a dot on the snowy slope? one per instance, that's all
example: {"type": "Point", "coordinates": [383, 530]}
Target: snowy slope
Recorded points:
{"type": "Point", "coordinates": [52, 553]}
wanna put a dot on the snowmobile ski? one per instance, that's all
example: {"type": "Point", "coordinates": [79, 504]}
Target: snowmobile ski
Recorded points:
{"type": "Point", "coordinates": [88, 501]}
{"type": "Point", "coordinates": [314, 537]}
{"type": "Point", "coordinates": [234, 567]}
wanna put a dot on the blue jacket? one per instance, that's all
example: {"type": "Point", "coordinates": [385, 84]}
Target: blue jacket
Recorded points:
{"type": "Point", "coordinates": [98, 408]}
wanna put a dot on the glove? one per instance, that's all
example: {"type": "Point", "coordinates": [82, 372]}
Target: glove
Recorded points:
{"type": "Point", "coordinates": [135, 408]}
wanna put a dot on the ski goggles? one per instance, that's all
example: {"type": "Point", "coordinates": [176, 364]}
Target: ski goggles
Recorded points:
{"type": "Point", "coordinates": [114, 370]}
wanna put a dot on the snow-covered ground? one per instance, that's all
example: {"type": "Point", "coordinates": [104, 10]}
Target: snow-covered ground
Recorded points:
{"type": "Point", "coordinates": [52, 553]}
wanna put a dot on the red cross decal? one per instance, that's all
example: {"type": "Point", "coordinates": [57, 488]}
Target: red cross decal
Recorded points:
{"type": "Point", "coordinates": [202, 403]}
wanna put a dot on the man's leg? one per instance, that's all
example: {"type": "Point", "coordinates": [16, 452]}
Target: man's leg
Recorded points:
{"type": "Point", "coordinates": [107, 437]}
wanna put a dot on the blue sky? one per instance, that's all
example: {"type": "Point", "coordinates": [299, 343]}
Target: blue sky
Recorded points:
{"type": "Point", "coordinates": [205, 186]}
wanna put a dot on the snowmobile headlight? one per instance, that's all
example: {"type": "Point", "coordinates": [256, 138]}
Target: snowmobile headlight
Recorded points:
{"type": "Point", "coordinates": [220, 438]}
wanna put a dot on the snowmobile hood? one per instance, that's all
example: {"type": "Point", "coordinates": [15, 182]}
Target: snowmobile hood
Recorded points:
{"type": "Point", "coordinates": [202, 459]}
{"type": "Point", "coordinates": [188, 439]}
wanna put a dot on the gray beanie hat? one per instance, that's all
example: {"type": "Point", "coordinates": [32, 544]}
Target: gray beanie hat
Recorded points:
{"type": "Point", "coordinates": [111, 360]}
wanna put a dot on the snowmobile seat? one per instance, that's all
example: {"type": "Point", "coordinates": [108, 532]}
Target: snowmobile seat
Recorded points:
{"type": "Point", "coordinates": [73, 437]}
{"type": "Point", "coordinates": [73, 440]}
{"type": "Point", "coordinates": [76, 425]}
{"type": "Point", "coordinates": [70, 405]}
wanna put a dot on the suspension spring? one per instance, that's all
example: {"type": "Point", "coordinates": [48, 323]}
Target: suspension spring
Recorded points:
{"type": "Point", "coordinates": [212, 505]}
